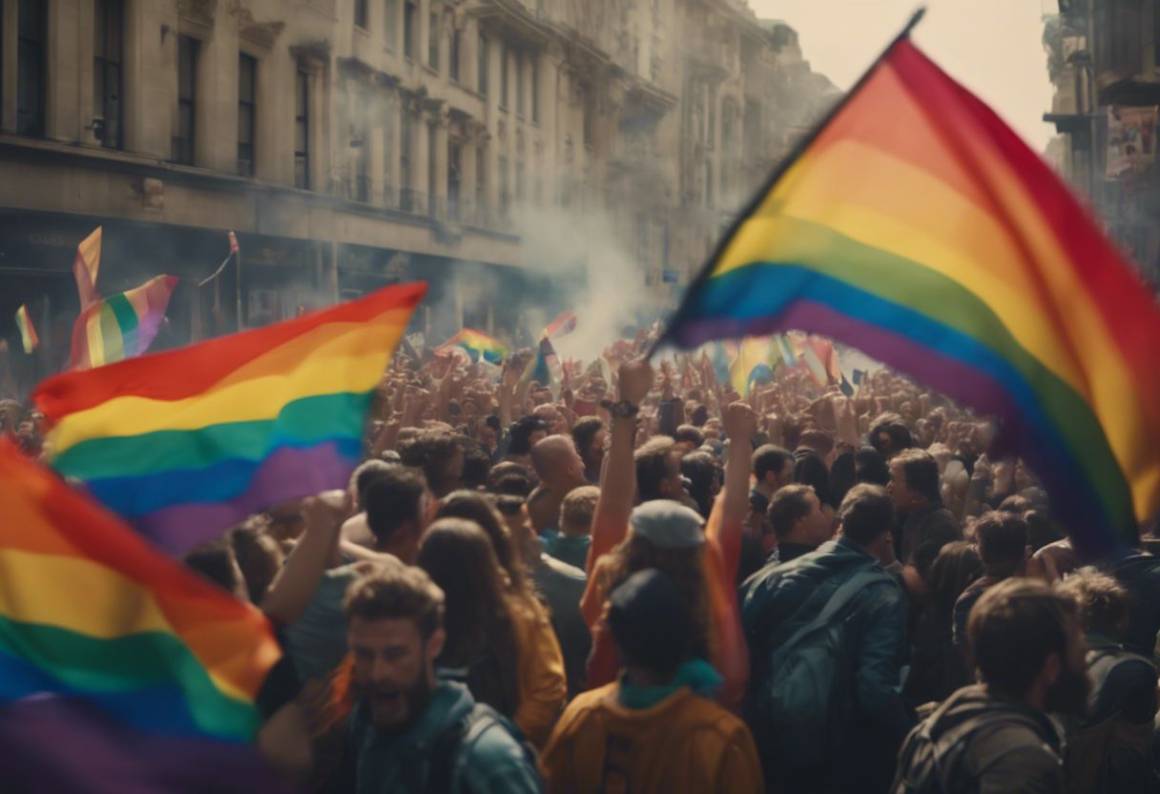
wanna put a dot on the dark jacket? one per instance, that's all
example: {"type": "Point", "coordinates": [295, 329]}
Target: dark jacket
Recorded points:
{"type": "Point", "coordinates": [982, 745]}
{"type": "Point", "coordinates": [562, 587]}
{"type": "Point", "coordinates": [494, 762]}
{"type": "Point", "coordinates": [1139, 573]}
{"type": "Point", "coordinates": [779, 598]}
{"type": "Point", "coordinates": [923, 533]}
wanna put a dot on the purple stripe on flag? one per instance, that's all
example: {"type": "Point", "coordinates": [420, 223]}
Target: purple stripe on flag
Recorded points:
{"type": "Point", "coordinates": [288, 473]}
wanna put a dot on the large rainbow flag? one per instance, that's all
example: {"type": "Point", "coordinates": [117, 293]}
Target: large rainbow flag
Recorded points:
{"type": "Point", "coordinates": [120, 670]}
{"type": "Point", "coordinates": [916, 226]}
{"type": "Point", "coordinates": [185, 444]}
{"type": "Point", "coordinates": [477, 345]}
{"type": "Point", "coordinates": [120, 326]}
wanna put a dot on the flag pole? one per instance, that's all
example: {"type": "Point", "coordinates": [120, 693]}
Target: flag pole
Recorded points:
{"type": "Point", "coordinates": [778, 172]}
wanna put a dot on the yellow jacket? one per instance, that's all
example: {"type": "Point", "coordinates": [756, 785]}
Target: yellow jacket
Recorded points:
{"type": "Point", "coordinates": [543, 686]}
{"type": "Point", "coordinates": [686, 744]}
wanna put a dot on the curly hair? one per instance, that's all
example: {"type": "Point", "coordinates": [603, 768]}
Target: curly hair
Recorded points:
{"type": "Point", "coordinates": [683, 566]}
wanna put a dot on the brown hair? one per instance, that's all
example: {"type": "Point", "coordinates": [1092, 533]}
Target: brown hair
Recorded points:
{"type": "Point", "coordinates": [397, 591]}
{"type": "Point", "coordinates": [1102, 601]}
{"type": "Point", "coordinates": [578, 509]}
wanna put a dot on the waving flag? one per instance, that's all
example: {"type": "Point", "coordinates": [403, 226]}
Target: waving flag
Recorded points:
{"type": "Point", "coordinates": [916, 226]}
{"type": "Point", "coordinates": [187, 443]}
{"type": "Point", "coordinates": [86, 266]}
{"type": "Point", "coordinates": [122, 325]}
{"type": "Point", "coordinates": [477, 345]}
{"type": "Point", "coordinates": [564, 324]}
{"type": "Point", "coordinates": [120, 670]}
{"type": "Point", "coordinates": [28, 338]}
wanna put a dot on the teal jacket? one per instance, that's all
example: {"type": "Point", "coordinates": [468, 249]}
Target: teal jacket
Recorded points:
{"type": "Point", "coordinates": [493, 762]}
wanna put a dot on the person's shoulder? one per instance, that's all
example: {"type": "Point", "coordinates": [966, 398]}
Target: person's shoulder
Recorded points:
{"type": "Point", "coordinates": [493, 748]}
{"type": "Point", "coordinates": [1015, 757]}
{"type": "Point", "coordinates": [562, 570]}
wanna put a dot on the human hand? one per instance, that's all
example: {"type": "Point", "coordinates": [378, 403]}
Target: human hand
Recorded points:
{"type": "Point", "coordinates": [740, 423]}
{"type": "Point", "coordinates": [636, 379]}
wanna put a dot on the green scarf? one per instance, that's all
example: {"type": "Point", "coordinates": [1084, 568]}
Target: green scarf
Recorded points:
{"type": "Point", "coordinates": [697, 674]}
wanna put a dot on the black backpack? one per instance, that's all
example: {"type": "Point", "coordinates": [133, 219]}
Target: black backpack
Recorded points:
{"type": "Point", "coordinates": [927, 765]}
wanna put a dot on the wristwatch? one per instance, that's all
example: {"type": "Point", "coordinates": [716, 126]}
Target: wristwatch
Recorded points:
{"type": "Point", "coordinates": [621, 410]}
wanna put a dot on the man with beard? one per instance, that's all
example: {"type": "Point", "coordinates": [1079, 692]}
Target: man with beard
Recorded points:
{"type": "Point", "coordinates": [1028, 645]}
{"type": "Point", "coordinates": [409, 732]}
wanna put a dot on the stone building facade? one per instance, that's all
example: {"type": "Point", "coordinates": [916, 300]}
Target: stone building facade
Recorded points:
{"type": "Point", "coordinates": [353, 143]}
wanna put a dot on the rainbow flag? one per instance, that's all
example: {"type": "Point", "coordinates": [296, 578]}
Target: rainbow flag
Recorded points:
{"type": "Point", "coordinates": [564, 324]}
{"type": "Point", "coordinates": [752, 365]}
{"type": "Point", "coordinates": [120, 670]}
{"type": "Point", "coordinates": [86, 267]}
{"type": "Point", "coordinates": [28, 338]}
{"type": "Point", "coordinates": [187, 443]}
{"type": "Point", "coordinates": [477, 345]}
{"type": "Point", "coordinates": [120, 326]}
{"type": "Point", "coordinates": [916, 226]}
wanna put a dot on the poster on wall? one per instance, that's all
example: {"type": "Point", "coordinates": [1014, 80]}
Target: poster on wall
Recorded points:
{"type": "Point", "coordinates": [1131, 140]}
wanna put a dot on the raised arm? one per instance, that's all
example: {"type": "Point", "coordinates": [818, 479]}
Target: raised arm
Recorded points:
{"type": "Point", "coordinates": [293, 589]}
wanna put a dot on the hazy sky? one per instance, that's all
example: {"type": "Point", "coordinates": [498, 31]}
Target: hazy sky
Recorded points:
{"type": "Point", "coordinates": [991, 46]}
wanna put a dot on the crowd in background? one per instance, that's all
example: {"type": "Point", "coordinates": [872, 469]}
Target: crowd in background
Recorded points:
{"type": "Point", "coordinates": [637, 579]}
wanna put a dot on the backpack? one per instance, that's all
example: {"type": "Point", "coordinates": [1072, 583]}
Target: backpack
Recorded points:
{"type": "Point", "coordinates": [935, 766]}
{"type": "Point", "coordinates": [805, 701]}
{"type": "Point", "coordinates": [446, 763]}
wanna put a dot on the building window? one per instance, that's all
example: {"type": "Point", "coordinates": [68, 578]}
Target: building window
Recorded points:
{"type": "Point", "coordinates": [433, 42]}
{"type": "Point", "coordinates": [456, 51]}
{"type": "Point", "coordinates": [390, 23]}
{"type": "Point", "coordinates": [183, 140]}
{"type": "Point", "coordinates": [410, 19]}
{"type": "Point", "coordinates": [32, 31]}
{"type": "Point", "coordinates": [520, 84]}
{"type": "Point", "coordinates": [432, 173]}
{"type": "Point", "coordinates": [406, 132]}
{"type": "Point", "coordinates": [109, 29]}
{"type": "Point", "coordinates": [360, 13]}
{"type": "Point", "coordinates": [454, 178]}
{"type": "Point", "coordinates": [535, 91]}
{"type": "Point", "coordinates": [480, 183]}
{"type": "Point", "coordinates": [503, 76]}
{"type": "Point", "coordinates": [247, 99]}
{"type": "Point", "coordinates": [302, 129]}
{"type": "Point", "coordinates": [482, 77]}
{"type": "Point", "coordinates": [504, 191]}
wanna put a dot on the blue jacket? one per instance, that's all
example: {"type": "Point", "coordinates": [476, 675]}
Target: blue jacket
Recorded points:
{"type": "Point", "coordinates": [494, 762]}
{"type": "Point", "coordinates": [779, 598]}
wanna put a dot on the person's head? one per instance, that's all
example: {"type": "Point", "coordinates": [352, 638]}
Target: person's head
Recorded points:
{"type": "Point", "coordinates": [397, 504]}
{"type": "Point", "coordinates": [914, 480]}
{"type": "Point", "coordinates": [1027, 643]}
{"type": "Point", "coordinates": [687, 438]}
{"type": "Point", "coordinates": [1002, 539]}
{"type": "Point", "coordinates": [461, 560]}
{"type": "Point", "coordinates": [362, 477]}
{"type": "Point", "coordinates": [867, 517]}
{"type": "Point", "coordinates": [577, 511]}
{"type": "Point", "coordinates": [259, 558]}
{"type": "Point", "coordinates": [651, 625]}
{"type": "Point", "coordinates": [510, 478]}
{"type": "Point", "coordinates": [772, 466]}
{"type": "Point", "coordinates": [668, 536]}
{"type": "Point", "coordinates": [525, 433]}
{"type": "Point", "coordinates": [216, 562]}
{"type": "Point", "coordinates": [699, 416]}
{"type": "Point", "coordinates": [486, 435]}
{"type": "Point", "coordinates": [704, 476]}
{"type": "Point", "coordinates": [589, 434]}
{"type": "Point", "coordinates": [394, 629]}
{"type": "Point", "coordinates": [557, 463]}
{"type": "Point", "coordinates": [556, 421]}
{"type": "Point", "coordinates": [440, 455]}
{"type": "Point", "coordinates": [1102, 601]}
{"type": "Point", "coordinates": [476, 466]}
{"type": "Point", "coordinates": [870, 467]}
{"type": "Point", "coordinates": [795, 514]}
{"type": "Point", "coordinates": [811, 470]}
{"type": "Point", "coordinates": [889, 435]}
{"type": "Point", "coordinates": [1040, 530]}
{"type": "Point", "coordinates": [956, 566]}
{"type": "Point", "coordinates": [478, 508]}
{"type": "Point", "coordinates": [819, 442]}
{"type": "Point", "coordinates": [658, 470]}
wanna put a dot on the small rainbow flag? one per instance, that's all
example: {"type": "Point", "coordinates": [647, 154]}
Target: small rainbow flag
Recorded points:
{"type": "Point", "coordinates": [916, 226]}
{"type": "Point", "coordinates": [28, 337]}
{"type": "Point", "coordinates": [752, 365]}
{"type": "Point", "coordinates": [120, 326]}
{"type": "Point", "coordinates": [185, 444]}
{"type": "Point", "coordinates": [477, 345]}
{"type": "Point", "coordinates": [120, 669]}
{"type": "Point", "coordinates": [86, 267]}
{"type": "Point", "coordinates": [564, 324]}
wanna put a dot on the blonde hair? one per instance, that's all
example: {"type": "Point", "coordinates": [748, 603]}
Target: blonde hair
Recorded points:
{"type": "Point", "coordinates": [578, 509]}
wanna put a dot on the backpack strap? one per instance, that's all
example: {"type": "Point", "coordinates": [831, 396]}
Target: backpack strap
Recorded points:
{"type": "Point", "coordinates": [446, 760]}
{"type": "Point", "coordinates": [841, 597]}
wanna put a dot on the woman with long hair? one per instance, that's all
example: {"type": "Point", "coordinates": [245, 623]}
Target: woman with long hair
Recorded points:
{"type": "Point", "coordinates": [481, 636]}
{"type": "Point", "coordinates": [543, 685]}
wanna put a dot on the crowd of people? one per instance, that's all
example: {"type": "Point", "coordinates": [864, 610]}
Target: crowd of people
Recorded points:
{"type": "Point", "coordinates": [641, 581]}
